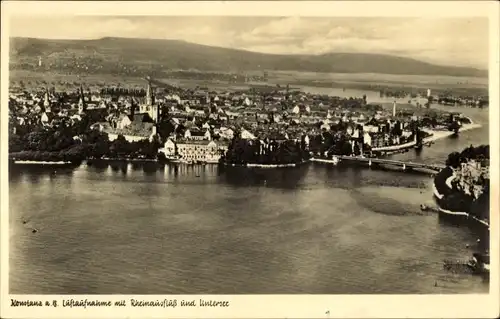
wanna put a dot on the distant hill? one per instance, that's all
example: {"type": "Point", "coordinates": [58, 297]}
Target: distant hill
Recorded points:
{"type": "Point", "coordinates": [144, 56]}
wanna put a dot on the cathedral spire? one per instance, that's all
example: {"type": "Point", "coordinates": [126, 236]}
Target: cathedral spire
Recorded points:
{"type": "Point", "coordinates": [81, 102]}
{"type": "Point", "coordinates": [46, 102]}
{"type": "Point", "coordinates": [149, 93]}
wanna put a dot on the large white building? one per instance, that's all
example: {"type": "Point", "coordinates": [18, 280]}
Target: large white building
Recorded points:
{"type": "Point", "coordinates": [197, 151]}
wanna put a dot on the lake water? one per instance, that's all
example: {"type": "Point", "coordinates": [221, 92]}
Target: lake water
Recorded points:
{"type": "Point", "coordinates": [371, 96]}
{"type": "Point", "coordinates": [318, 229]}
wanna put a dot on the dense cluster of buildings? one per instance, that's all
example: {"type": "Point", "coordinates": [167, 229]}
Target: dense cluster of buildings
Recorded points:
{"type": "Point", "coordinates": [470, 177]}
{"type": "Point", "coordinates": [204, 122]}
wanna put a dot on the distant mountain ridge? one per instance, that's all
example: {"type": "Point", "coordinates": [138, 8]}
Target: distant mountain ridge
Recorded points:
{"type": "Point", "coordinates": [142, 54]}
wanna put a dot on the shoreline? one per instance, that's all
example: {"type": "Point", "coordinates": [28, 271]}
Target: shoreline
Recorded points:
{"type": "Point", "coordinates": [252, 165]}
{"type": "Point", "coordinates": [41, 162]}
{"type": "Point", "coordinates": [109, 159]}
{"type": "Point", "coordinates": [436, 135]}
{"type": "Point", "coordinates": [394, 148]}
{"type": "Point", "coordinates": [440, 195]}
{"type": "Point", "coordinates": [324, 160]}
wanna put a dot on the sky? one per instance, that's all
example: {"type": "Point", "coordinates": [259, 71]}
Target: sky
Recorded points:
{"type": "Point", "coordinates": [447, 41]}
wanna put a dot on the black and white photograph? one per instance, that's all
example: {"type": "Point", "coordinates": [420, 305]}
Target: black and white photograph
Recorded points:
{"type": "Point", "coordinates": [233, 155]}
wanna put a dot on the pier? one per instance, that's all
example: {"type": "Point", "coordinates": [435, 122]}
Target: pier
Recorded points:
{"type": "Point", "coordinates": [374, 162]}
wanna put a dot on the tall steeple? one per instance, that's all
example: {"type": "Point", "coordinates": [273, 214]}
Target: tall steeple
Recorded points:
{"type": "Point", "coordinates": [132, 107]}
{"type": "Point", "coordinates": [46, 102]}
{"type": "Point", "coordinates": [81, 103]}
{"type": "Point", "coordinates": [328, 115]}
{"type": "Point", "coordinates": [149, 93]}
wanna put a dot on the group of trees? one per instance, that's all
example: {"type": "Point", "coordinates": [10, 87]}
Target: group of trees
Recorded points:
{"type": "Point", "coordinates": [242, 151]}
{"type": "Point", "coordinates": [469, 101]}
{"type": "Point", "coordinates": [349, 103]}
{"type": "Point", "coordinates": [119, 91]}
{"type": "Point", "coordinates": [206, 76]}
{"type": "Point", "coordinates": [334, 144]}
{"type": "Point", "coordinates": [480, 153]}
{"type": "Point", "coordinates": [398, 93]}
{"type": "Point", "coordinates": [459, 199]}
{"type": "Point", "coordinates": [73, 143]}
{"type": "Point", "coordinates": [45, 145]}
{"type": "Point", "coordinates": [121, 148]}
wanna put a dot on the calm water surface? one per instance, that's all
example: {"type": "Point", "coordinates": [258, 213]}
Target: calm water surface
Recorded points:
{"type": "Point", "coordinates": [139, 229]}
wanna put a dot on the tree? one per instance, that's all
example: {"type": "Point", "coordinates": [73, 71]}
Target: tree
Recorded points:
{"type": "Point", "coordinates": [454, 160]}
{"type": "Point", "coordinates": [75, 153]}
{"type": "Point", "coordinates": [357, 149]}
{"type": "Point", "coordinates": [120, 147]}
{"type": "Point", "coordinates": [396, 130]}
{"type": "Point", "coordinates": [454, 126]}
{"type": "Point", "coordinates": [165, 129]}
{"type": "Point", "coordinates": [36, 141]}
{"type": "Point", "coordinates": [16, 144]}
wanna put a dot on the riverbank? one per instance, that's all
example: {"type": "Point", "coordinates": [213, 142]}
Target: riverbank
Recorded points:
{"type": "Point", "coordinates": [41, 162]}
{"type": "Point", "coordinates": [252, 165]}
{"type": "Point", "coordinates": [395, 148]}
{"type": "Point", "coordinates": [333, 161]}
{"type": "Point", "coordinates": [449, 201]}
{"type": "Point", "coordinates": [64, 157]}
{"type": "Point", "coordinates": [72, 156]}
{"type": "Point", "coordinates": [462, 192]}
{"type": "Point", "coordinates": [437, 135]}
{"type": "Point", "coordinates": [118, 159]}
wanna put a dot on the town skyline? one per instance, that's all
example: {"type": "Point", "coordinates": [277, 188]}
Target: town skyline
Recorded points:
{"type": "Point", "coordinates": [430, 40]}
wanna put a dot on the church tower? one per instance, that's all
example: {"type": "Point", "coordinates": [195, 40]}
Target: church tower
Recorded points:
{"type": "Point", "coordinates": [152, 108]}
{"type": "Point", "coordinates": [46, 102]}
{"type": "Point", "coordinates": [81, 103]}
{"type": "Point", "coordinates": [149, 94]}
{"type": "Point", "coordinates": [154, 113]}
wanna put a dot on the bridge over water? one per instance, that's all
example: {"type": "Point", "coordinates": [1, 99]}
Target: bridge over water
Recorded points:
{"type": "Point", "coordinates": [374, 162]}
